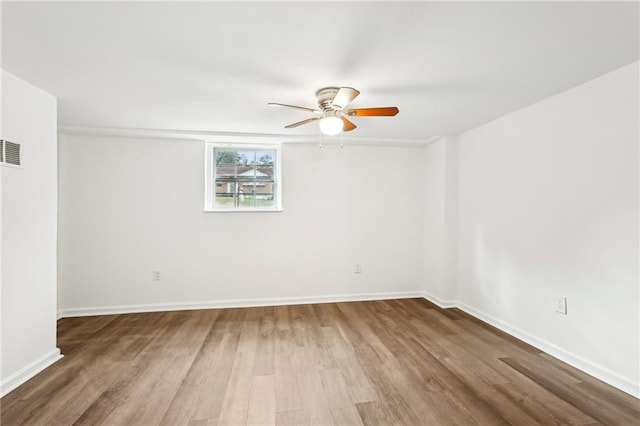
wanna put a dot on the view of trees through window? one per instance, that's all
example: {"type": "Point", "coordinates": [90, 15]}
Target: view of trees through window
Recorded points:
{"type": "Point", "coordinates": [244, 178]}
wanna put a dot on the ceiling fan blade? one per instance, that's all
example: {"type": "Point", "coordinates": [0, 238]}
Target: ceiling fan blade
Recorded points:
{"type": "Point", "coordinates": [294, 106]}
{"type": "Point", "coordinates": [344, 97]}
{"type": "Point", "coordinates": [348, 125]}
{"type": "Point", "coordinates": [370, 112]}
{"type": "Point", "coordinates": [300, 123]}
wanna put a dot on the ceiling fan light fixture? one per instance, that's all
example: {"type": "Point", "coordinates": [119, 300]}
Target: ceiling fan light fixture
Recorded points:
{"type": "Point", "coordinates": [331, 124]}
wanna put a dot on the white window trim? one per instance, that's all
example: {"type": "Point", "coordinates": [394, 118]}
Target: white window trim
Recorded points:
{"type": "Point", "coordinates": [209, 185]}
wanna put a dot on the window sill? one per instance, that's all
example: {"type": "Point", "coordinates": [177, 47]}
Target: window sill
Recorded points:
{"type": "Point", "coordinates": [243, 210]}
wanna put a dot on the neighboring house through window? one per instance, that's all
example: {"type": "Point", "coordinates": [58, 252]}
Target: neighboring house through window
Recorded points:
{"type": "Point", "coordinates": [242, 177]}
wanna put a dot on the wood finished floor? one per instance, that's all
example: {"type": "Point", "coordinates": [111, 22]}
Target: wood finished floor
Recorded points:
{"type": "Point", "coordinates": [394, 362]}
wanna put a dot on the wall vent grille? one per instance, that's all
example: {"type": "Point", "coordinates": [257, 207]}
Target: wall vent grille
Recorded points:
{"type": "Point", "coordinates": [10, 153]}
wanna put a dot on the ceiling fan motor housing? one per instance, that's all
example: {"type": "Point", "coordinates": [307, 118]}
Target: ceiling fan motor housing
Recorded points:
{"type": "Point", "coordinates": [325, 97]}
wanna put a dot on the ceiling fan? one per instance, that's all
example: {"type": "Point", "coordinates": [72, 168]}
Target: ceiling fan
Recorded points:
{"type": "Point", "coordinates": [331, 111]}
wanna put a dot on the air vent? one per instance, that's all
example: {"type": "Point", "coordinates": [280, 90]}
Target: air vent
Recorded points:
{"type": "Point", "coordinates": [9, 153]}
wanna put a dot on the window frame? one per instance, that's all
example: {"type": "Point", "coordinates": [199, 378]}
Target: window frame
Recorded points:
{"type": "Point", "coordinates": [210, 176]}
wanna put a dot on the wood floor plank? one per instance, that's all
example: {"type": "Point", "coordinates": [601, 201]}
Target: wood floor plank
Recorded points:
{"type": "Point", "coordinates": [552, 412]}
{"type": "Point", "coordinates": [377, 361]}
{"type": "Point", "coordinates": [606, 393]}
{"type": "Point", "coordinates": [235, 406]}
{"type": "Point", "coordinates": [191, 390]}
{"type": "Point", "coordinates": [335, 387]}
{"type": "Point", "coordinates": [314, 401]}
{"type": "Point", "coordinates": [346, 415]}
{"type": "Point", "coordinates": [292, 418]}
{"type": "Point", "coordinates": [211, 392]}
{"type": "Point", "coordinates": [264, 362]}
{"type": "Point", "coordinates": [358, 385]}
{"type": "Point", "coordinates": [391, 362]}
{"type": "Point", "coordinates": [286, 383]}
{"type": "Point", "coordinates": [377, 413]}
{"type": "Point", "coordinates": [506, 407]}
{"type": "Point", "coordinates": [460, 394]}
{"type": "Point", "coordinates": [73, 335]}
{"type": "Point", "coordinates": [249, 332]}
{"type": "Point", "coordinates": [588, 403]}
{"type": "Point", "coordinates": [262, 402]}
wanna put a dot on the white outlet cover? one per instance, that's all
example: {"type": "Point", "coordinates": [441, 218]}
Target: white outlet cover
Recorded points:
{"type": "Point", "coordinates": [561, 305]}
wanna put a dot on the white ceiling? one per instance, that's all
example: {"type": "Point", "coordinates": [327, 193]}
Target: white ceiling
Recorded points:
{"type": "Point", "coordinates": [213, 66]}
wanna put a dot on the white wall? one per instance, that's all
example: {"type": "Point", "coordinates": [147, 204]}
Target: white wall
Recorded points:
{"type": "Point", "coordinates": [129, 206]}
{"type": "Point", "coordinates": [434, 220]}
{"type": "Point", "coordinates": [29, 204]}
{"type": "Point", "coordinates": [548, 205]}
{"type": "Point", "coordinates": [440, 220]}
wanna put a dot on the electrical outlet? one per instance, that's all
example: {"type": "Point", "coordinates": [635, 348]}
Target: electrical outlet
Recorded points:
{"type": "Point", "coordinates": [357, 268]}
{"type": "Point", "coordinates": [156, 275]}
{"type": "Point", "coordinates": [561, 305]}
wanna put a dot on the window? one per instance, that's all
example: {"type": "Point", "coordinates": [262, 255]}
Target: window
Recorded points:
{"type": "Point", "coordinates": [242, 177]}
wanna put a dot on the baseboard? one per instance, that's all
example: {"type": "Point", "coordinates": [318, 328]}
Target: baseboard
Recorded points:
{"type": "Point", "coordinates": [624, 384]}
{"type": "Point", "coordinates": [441, 303]}
{"type": "Point", "coordinates": [234, 303]}
{"type": "Point", "coordinates": [28, 371]}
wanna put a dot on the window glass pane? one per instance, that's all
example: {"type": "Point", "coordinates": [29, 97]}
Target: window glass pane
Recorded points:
{"type": "Point", "coordinates": [225, 193]}
{"type": "Point", "coordinates": [225, 157]}
{"type": "Point", "coordinates": [257, 201]}
{"type": "Point", "coordinates": [224, 201]}
{"type": "Point", "coordinates": [226, 162]}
